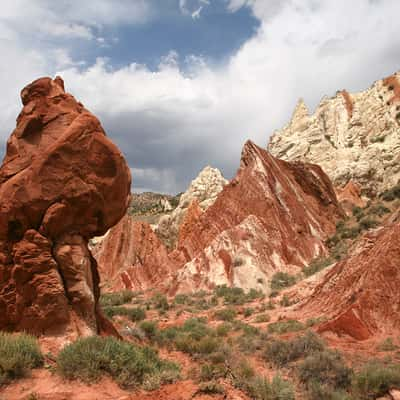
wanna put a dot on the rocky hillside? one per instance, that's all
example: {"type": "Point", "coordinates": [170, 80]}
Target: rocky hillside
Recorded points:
{"type": "Point", "coordinates": [352, 136]}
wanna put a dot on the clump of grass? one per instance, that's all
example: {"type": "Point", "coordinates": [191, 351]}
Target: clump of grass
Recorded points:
{"type": "Point", "coordinates": [262, 318]}
{"type": "Point", "coordinates": [282, 352]}
{"type": "Point", "coordinates": [248, 312]}
{"type": "Point", "coordinates": [134, 314]}
{"type": "Point", "coordinates": [236, 296]}
{"type": "Point", "coordinates": [19, 354]}
{"type": "Point", "coordinates": [226, 314]}
{"type": "Point", "coordinates": [261, 388]}
{"type": "Point", "coordinates": [368, 223]}
{"type": "Point", "coordinates": [387, 345]}
{"type": "Point", "coordinates": [327, 368]}
{"type": "Point", "coordinates": [281, 280]}
{"type": "Point", "coordinates": [375, 379]}
{"type": "Point", "coordinates": [116, 298]}
{"type": "Point", "coordinates": [251, 340]}
{"type": "Point", "coordinates": [290, 325]}
{"type": "Point", "coordinates": [149, 328]}
{"type": "Point", "coordinates": [391, 194]}
{"type": "Point", "coordinates": [211, 387]}
{"type": "Point", "coordinates": [317, 265]}
{"type": "Point", "coordinates": [160, 302]}
{"type": "Point", "coordinates": [130, 365]}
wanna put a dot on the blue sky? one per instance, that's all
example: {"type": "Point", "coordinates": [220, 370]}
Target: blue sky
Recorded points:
{"type": "Point", "coordinates": [180, 84]}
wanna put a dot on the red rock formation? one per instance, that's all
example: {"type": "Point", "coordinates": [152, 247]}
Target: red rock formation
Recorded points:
{"type": "Point", "coordinates": [350, 196]}
{"type": "Point", "coordinates": [191, 217]}
{"type": "Point", "coordinates": [349, 102]}
{"type": "Point", "coordinates": [360, 296]}
{"type": "Point", "coordinates": [272, 216]}
{"type": "Point", "coordinates": [131, 256]}
{"type": "Point", "coordinates": [62, 182]}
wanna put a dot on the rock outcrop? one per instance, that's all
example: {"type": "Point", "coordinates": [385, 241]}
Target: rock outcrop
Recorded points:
{"type": "Point", "coordinates": [351, 136]}
{"type": "Point", "coordinates": [359, 296]}
{"type": "Point", "coordinates": [204, 189]}
{"type": "Point", "coordinates": [273, 216]}
{"type": "Point", "coordinates": [131, 256]}
{"type": "Point", "coordinates": [62, 182]}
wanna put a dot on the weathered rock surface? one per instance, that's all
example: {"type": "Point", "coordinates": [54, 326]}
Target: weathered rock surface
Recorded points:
{"type": "Point", "coordinates": [350, 196]}
{"type": "Point", "coordinates": [204, 189]}
{"type": "Point", "coordinates": [273, 216]}
{"type": "Point", "coordinates": [62, 182]}
{"type": "Point", "coordinates": [360, 295]}
{"type": "Point", "coordinates": [131, 256]}
{"type": "Point", "coordinates": [351, 136]}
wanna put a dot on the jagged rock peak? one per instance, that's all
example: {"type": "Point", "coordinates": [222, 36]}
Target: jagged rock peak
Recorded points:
{"type": "Point", "coordinates": [352, 136]}
{"type": "Point", "coordinates": [204, 189]}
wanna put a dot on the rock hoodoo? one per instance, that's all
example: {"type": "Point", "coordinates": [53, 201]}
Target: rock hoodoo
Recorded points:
{"type": "Point", "coordinates": [62, 182]}
{"type": "Point", "coordinates": [353, 137]}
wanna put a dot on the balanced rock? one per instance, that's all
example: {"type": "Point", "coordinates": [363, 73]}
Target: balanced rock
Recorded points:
{"type": "Point", "coordinates": [353, 137]}
{"type": "Point", "coordinates": [62, 182]}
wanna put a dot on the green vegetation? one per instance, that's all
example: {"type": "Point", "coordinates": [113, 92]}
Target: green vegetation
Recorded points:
{"type": "Point", "coordinates": [134, 314]}
{"type": "Point", "coordinates": [237, 296]}
{"type": "Point", "coordinates": [262, 318]}
{"type": "Point", "coordinates": [391, 194]}
{"type": "Point", "coordinates": [290, 325]}
{"type": "Point", "coordinates": [130, 365]}
{"type": "Point", "coordinates": [282, 352]}
{"type": "Point", "coordinates": [281, 280]}
{"type": "Point", "coordinates": [117, 298]}
{"type": "Point", "coordinates": [368, 223]}
{"type": "Point", "coordinates": [226, 314]}
{"type": "Point", "coordinates": [387, 345]}
{"type": "Point", "coordinates": [261, 388]}
{"type": "Point", "coordinates": [317, 265]}
{"type": "Point", "coordinates": [375, 379]}
{"type": "Point", "coordinates": [18, 355]}
{"type": "Point", "coordinates": [211, 387]}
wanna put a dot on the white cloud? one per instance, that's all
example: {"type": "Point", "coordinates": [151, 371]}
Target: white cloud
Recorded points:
{"type": "Point", "coordinates": [188, 113]}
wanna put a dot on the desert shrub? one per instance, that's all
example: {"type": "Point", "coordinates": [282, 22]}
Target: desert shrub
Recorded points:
{"type": "Point", "coordinates": [282, 352]}
{"type": "Point", "coordinates": [281, 280]}
{"type": "Point", "coordinates": [285, 301]}
{"type": "Point", "coordinates": [149, 328]}
{"type": "Point", "coordinates": [327, 368]}
{"type": "Point", "coordinates": [248, 311]}
{"type": "Point", "coordinates": [130, 365]}
{"type": "Point", "coordinates": [223, 329]}
{"type": "Point", "coordinates": [333, 241]}
{"type": "Point", "coordinates": [235, 295]}
{"type": "Point", "coordinates": [211, 387]}
{"type": "Point", "coordinates": [251, 340]}
{"type": "Point", "coordinates": [317, 391]}
{"type": "Point", "coordinates": [262, 318]}
{"type": "Point", "coordinates": [211, 371]}
{"type": "Point", "coordinates": [317, 265]}
{"type": "Point", "coordinates": [226, 314]}
{"type": "Point", "coordinates": [116, 298]}
{"type": "Point", "coordinates": [358, 212]}
{"type": "Point", "coordinates": [368, 223]}
{"type": "Point", "coordinates": [375, 379]}
{"type": "Point", "coordinates": [315, 321]}
{"type": "Point", "coordinates": [377, 139]}
{"type": "Point", "coordinates": [290, 325]}
{"type": "Point", "coordinates": [134, 314]}
{"type": "Point", "coordinates": [160, 302]}
{"type": "Point", "coordinates": [387, 345]}
{"type": "Point", "coordinates": [182, 299]}
{"type": "Point", "coordinates": [391, 194]}
{"type": "Point", "coordinates": [18, 355]}
{"type": "Point", "coordinates": [350, 233]}
{"type": "Point", "coordinates": [261, 388]}
{"type": "Point", "coordinates": [379, 210]}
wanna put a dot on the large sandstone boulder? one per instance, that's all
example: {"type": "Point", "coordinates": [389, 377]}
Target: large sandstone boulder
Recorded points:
{"type": "Point", "coordinates": [353, 137]}
{"type": "Point", "coordinates": [62, 182]}
{"type": "Point", "coordinates": [273, 216]}
{"type": "Point", "coordinates": [204, 190]}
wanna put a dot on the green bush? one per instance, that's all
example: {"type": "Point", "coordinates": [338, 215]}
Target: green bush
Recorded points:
{"type": "Point", "coordinates": [285, 301]}
{"type": "Point", "coordinates": [251, 340]}
{"type": "Point", "coordinates": [117, 298]}
{"type": "Point", "coordinates": [391, 194]}
{"type": "Point", "coordinates": [375, 379]}
{"type": "Point", "coordinates": [317, 391]}
{"type": "Point", "coordinates": [327, 368]}
{"type": "Point", "coordinates": [130, 365]}
{"type": "Point", "coordinates": [262, 318]}
{"type": "Point", "coordinates": [317, 265]}
{"type": "Point", "coordinates": [211, 371]}
{"type": "Point", "coordinates": [134, 314]}
{"type": "Point", "coordinates": [282, 352]}
{"type": "Point", "coordinates": [281, 280]}
{"type": "Point", "coordinates": [160, 302]}
{"type": "Point", "coordinates": [226, 314]}
{"type": "Point", "coordinates": [211, 387]}
{"type": "Point", "coordinates": [387, 345]}
{"type": "Point", "coordinates": [182, 299]}
{"type": "Point", "coordinates": [18, 355]}
{"type": "Point", "coordinates": [290, 325]}
{"type": "Point", "coordinates": [358, 212]}
{"type": "Point", "coordinates": [261, 388]}
{"type": "Point", "coordinates": [236, 295]}
{"type": "Point", "coordinates": [379, 209]}
{"type": "Point", "coordinates": [247, 312]}
{"type": "Point", "coordinates": [149, 328]}
{"type": "Point", "coordinates": [368, 223]}
{"type": "Point", "coordinates": [223, 329]}
{"type": "Point", "coordinates": [350, 233]}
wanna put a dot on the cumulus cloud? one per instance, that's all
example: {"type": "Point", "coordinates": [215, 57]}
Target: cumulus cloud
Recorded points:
{"type": "Point", "coordinates": [172, 121]}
